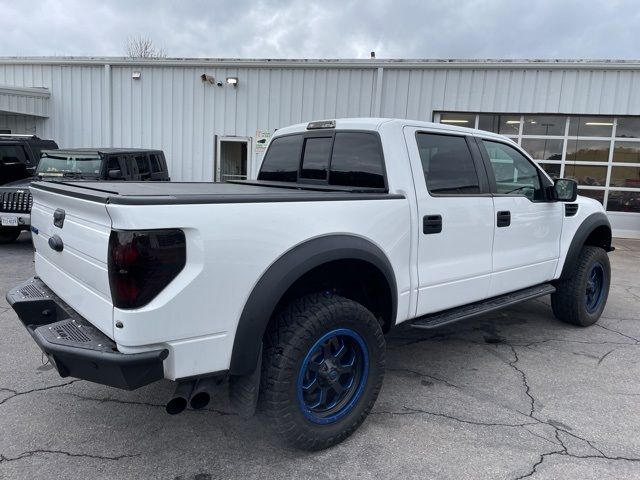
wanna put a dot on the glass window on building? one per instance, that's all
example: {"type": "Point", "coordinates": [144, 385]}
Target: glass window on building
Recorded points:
{"type": "Point", "coordinates": [590, 126]}
{"type": "Point", "coordinates": [627, 152]}
{"type": "Point", "coordinates": [593, 175]}
{"type": "Point", "coordinates": [623, 201]}
{"type": "Point", "coordinates": [628, 127]}
{"type": "Point", "coordinates": [543, 149]}
{"type": "Point", "coordinates": [628, 177]}
{"type": "Point", "coordinates": [580, 150]}
{"type": "Point", "coordinates": [553, 169]}
{"type": "Point", "coordinates": [548, 125]}
{"type": "Point", "coordinates": [502, 124]}
{"type": "Point", "coordinates": [459, 119]}
{"type": "Point", "coordinates": [588, 150]}
{"type": "Point", "coordinates": [595, 194]}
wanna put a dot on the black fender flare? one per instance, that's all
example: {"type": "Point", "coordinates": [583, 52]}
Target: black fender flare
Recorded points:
{"type": "Point", "coordinates": [588, 225]}
{"type": "Point", "coordinates": [282, 274]}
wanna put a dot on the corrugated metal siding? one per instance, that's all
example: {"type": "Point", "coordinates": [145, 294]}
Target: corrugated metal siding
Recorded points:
{"type": "Point", "coordinates": [170, 107]}
{"type": "Point", "coordinates": [21, 124]}
{"type": "Point", "coordinates": [173, 109]}
{"type": "Point", "coordinates": [416, 93]}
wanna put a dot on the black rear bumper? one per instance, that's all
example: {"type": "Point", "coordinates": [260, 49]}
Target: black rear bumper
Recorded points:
{"type": "Point", "coordinates": [74, 346]}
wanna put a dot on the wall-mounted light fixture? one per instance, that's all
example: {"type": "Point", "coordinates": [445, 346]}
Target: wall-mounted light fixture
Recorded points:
{"type": "Point", "coordinates": [233, 81]}
{"type": "Point", "coordinates": [136, 75]}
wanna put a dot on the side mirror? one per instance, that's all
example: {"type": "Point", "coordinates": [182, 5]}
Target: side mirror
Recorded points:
{"type": "Point", "coordinates": [565, 190]}
{"type": "Point", "coordinates": [115, 174]}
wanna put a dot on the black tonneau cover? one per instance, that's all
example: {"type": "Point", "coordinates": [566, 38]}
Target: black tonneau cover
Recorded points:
{"type": "Point", "coordinates": [169, 193]}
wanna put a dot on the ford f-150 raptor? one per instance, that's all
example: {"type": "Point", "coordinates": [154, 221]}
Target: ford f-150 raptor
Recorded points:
{"type": "Point", "coordinates": [286, 285]}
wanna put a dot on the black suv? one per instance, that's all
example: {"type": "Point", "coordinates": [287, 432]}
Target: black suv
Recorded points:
{"type": "Point", "coordinates": [103, 164]}
{"type": "Point", "coordinates": [19, 156]}
{"type": "Point", "coordinates": [107, 164]}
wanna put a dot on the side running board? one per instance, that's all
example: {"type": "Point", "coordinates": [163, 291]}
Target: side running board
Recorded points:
{"type": "Point", "coordinates": [456, 314]}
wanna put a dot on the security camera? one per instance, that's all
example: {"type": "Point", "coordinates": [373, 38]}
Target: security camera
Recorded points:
{"type": "Point", "coordinates": [219, 83]}
{"type": "Point", "coordinates": [207, 78]}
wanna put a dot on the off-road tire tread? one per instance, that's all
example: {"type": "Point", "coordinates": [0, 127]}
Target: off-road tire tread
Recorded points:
{"type": "Point", "coordinates": [567, 302]}
{"type": "Point", "coordinates": [282, 349]}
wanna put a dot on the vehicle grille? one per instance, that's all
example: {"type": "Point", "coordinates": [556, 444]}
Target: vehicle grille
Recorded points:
{"type": "Point", "coordinates": [19, 202]}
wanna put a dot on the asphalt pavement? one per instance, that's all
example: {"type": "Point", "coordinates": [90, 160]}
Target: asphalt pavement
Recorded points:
{"type": "Point", "coordinates": [513, 394]}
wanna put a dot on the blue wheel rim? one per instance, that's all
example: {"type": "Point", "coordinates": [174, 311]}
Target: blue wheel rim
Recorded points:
{"type": "Point", "coordinates": [333, 376]}
{"type": "Point", "coordinates": [594, 291]}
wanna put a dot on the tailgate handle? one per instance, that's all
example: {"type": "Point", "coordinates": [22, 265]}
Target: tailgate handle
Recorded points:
{"type": "Point", "coordinates": [58, 217]}
{"type": "Point", "coordinates": [56, 243]}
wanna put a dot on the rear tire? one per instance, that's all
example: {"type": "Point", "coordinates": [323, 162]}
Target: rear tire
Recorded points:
{"type": "Point", "coordinates": [324, 363]}
{"type": "Point", "coordinates": [582, 296]}
{"type": "Point", "coordinates": [9, 234]}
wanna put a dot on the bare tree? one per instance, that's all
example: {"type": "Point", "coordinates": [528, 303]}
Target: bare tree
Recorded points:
{"type": "Point", "coordinates": [142, 47]}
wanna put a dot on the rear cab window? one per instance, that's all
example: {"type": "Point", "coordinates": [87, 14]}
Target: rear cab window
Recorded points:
{"type": "Point", "coordinates": [335, 158]}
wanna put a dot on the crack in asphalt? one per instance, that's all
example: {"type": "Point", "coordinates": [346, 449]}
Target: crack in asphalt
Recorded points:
{"type": "Point", "coordinates": [512, 364]}
{"type": "Point", "coordinates": [19, 394]}
{"type": "Point", "coordinates": [417, 411]}
{"type": "Point", "coordinates": [637, 341]}
{"type": "Point", "coordinates": [30, 453]}
{"type": "Point", "coordinates": [558, 429]}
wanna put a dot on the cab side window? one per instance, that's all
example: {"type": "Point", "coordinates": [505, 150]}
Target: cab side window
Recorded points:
{"type": "Point", "coordinates": [514, 173]}
{"type": "Point", "coordinates": [143, 167]}
{"type": "Point", "coordinates": [447, 164]}
{"type": "Point", "coordinates": [156, 166]}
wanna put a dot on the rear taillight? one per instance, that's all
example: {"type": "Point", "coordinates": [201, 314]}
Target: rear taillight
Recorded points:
{"type": "Point", "coordinates": [142, 263]}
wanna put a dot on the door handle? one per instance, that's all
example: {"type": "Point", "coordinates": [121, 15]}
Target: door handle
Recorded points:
{"type": "Point", "coordinates": [504, 219]}
{"type": "Point", "coordinates": [431, 224]}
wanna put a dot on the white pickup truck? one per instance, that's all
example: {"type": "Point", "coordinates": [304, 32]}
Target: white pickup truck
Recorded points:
{"type": "Point", "coordinates": [286, 285]}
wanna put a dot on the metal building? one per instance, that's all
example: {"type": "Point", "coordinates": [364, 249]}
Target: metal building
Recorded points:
{"type": "Point", "coordinates": [212, 118]}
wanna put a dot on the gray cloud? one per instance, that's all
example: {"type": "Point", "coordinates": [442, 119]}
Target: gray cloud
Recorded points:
{"type": "Point", "coordinates": [326, 29]}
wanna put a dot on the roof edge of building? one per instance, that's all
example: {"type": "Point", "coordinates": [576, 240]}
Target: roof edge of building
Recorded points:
{"type": "Point", "coordinates": [589, 64]}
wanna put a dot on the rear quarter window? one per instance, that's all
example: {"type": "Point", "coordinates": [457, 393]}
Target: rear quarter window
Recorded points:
{"type": "Point", "coordinates": [282, 159]}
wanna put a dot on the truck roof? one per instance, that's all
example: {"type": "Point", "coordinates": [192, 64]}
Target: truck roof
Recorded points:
{"type": "Point", "coordinates": [98, 151]}
{"type": "Point", "coordinates": [375, 124]}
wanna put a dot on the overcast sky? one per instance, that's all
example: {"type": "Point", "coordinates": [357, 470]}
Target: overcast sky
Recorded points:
{"type": "Point", "coordinates": [326, 28]}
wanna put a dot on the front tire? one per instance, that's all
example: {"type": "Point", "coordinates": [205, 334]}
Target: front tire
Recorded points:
{"type": "Point", "coordinates": [324, 365]}
{"type": "Point", "coordinates": [581, 298]}
{"type": "Point", "coordinates": [9, 234]}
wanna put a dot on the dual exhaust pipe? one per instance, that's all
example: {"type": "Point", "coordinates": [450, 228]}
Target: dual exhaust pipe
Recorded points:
{"type": "Point", "coordinates": [194, 393]}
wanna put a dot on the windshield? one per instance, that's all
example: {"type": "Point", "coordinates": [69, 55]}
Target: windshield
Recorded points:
{"type": "Point", "coordinates": [69, 166]}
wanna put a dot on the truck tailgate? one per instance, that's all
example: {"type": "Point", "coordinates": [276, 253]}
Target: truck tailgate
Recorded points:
{"type": "Point", "coordinates": [78, 273]}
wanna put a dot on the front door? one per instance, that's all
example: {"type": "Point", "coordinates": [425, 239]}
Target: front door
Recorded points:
{"type": "Point", "coordinates": [455, 219]}
{"type": "Point", "coordinates": [526, 245]}
{"type": "Point", "coordinates": [232, 158]}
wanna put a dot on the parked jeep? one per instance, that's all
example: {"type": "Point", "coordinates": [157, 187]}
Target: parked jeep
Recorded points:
{"type": "Point", "coordinates": [107, 164]}
{"type": "Point", "coordinates": [19, 155]}
{"type": "Point", "coordinates": [286, 285]}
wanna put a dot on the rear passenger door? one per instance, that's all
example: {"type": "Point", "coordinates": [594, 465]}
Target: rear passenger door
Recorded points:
{"type": "Point", "coordinates": [526, 245]}
{"type": "Point", "coordinates": [455, 219]}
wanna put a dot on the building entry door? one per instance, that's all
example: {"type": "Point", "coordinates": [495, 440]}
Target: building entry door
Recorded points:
{"type": "Point", "coordinates": [232, 158]}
